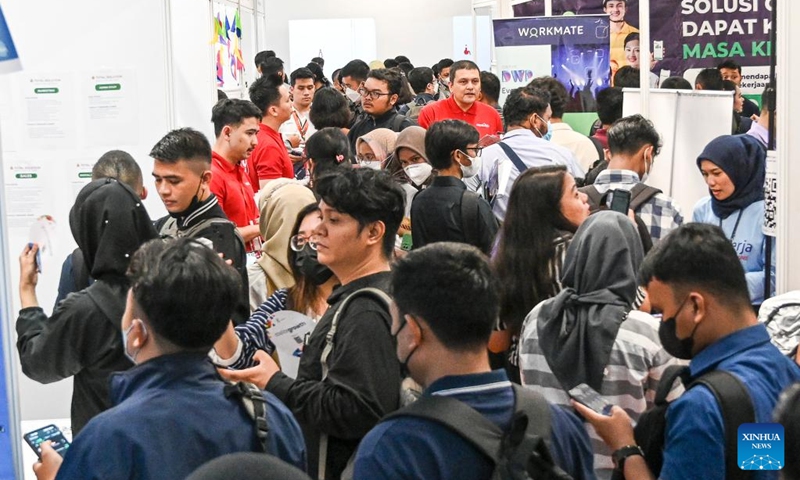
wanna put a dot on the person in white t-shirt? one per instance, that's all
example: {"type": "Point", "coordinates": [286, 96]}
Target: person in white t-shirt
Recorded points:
{"type": "Point", "coordinates": [299, 128]}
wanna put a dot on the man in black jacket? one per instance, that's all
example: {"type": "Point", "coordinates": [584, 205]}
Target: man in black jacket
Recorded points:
{"type": "Point", "coordinates": [379, 96]}
{"type": "Point", "coordinates": [182, 173]}
{"type": "Point", "coordinates": [338, 404]}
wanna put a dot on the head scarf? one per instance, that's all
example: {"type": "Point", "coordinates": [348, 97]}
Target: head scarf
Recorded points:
{"type": "Point", "coordinates": [380, 140]}
{"type": "Point", "coordinates": [109, 223]}
{"type": "Point", "coordinates": [280, 202]}
{"type": "Point", "coordinates": [412, 138]}
{"type": "Point", "coordinates": [744, 161]}
{"type": "Point", "coordinates": [577, 328]}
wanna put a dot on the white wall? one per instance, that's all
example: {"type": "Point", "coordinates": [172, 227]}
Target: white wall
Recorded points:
{"type": "Point", "coordinates": [419, 29]}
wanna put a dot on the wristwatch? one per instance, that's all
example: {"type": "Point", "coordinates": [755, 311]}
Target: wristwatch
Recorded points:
{"type": "Point", "coordinates": [619, 456]}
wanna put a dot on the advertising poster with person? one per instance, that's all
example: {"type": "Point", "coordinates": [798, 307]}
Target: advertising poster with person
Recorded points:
{"type": "Point", "coordinates": [695, 34]}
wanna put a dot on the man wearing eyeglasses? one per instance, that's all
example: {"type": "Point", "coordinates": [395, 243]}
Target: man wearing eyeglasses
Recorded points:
{"type": "Point", "coordinates": [463, 104]}
{"type": "Point", "coordinates": [379, 95]}
{"type": "Point", "coordinates": [446, 211]}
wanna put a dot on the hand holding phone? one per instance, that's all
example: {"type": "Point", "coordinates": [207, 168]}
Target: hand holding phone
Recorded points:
{"type": "Point", "coordinates": [58, 442]}
{"type": "Point", "coordinates": [586, 395]}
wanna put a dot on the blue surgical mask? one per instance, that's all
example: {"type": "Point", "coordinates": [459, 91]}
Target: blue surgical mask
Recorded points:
{"type": "Point", "coordinates": [549, 135]}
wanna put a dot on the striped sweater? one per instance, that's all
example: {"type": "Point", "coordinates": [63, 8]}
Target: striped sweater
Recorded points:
{"type": "Point", "coordinates": [634, 368]}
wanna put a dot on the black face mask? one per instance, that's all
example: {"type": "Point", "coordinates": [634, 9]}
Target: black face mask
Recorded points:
{"type": "Point", "coordinates": [306, 261]}
{"type": "Point", "coordinates": [404, 371]}
{"type": "Point", "coordinates": [678, 348]}
{"type": "Point", "coordinates": [192, 205]}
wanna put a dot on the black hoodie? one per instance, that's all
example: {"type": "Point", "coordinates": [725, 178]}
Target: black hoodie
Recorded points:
{"type": "Point", "coordinates": [83, 338]}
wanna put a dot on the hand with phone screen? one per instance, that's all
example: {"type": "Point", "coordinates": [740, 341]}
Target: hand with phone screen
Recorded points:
{"type": "Point", "coordinates": [586, 395]}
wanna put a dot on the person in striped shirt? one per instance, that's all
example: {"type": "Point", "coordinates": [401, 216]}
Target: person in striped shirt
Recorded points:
{"type": "Point", "coordinates": [589, 333]}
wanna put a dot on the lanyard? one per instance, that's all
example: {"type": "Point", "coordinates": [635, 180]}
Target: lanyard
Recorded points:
{"type": "Point", "coordinates": [302, 127]}
{"type": "Point", "coordinates": [735, 226]}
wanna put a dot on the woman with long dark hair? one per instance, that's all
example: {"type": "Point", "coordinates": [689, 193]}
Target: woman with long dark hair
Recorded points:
{"type": "Point", "coordinates": [327, 150]}
{"type": "Point", "coordinates": [545, 209]}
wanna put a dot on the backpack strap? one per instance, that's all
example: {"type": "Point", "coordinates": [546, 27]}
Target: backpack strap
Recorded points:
{"type": "Point", "coordinates": [385, 300]}
{"type": "Point", "coordinates": [601, 154]}
{"type": "Point", "coordinates": [469, 216]}
{"type": "Point", "coordinates": [667, 381]}
{"type": "Point", "coordinates": [397, 122]}
{"type": "Point", "coordinates": [737, 408]}
{"type": "Point", "coordinates": [255, 405]}
{"type": "Point", "coordinates": [596, 199]}
{"type": "Point", "coordinates": [641, 194]}
{"type": "Point", "coordinates": [512, 155]}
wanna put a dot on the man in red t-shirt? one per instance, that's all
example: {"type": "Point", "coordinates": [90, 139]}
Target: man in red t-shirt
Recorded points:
{"type": "Point", "coordinates": [465, 87]}
{"type": "Point", "coordinates": [236, 127]}
{"type": "Point", "coordinates": [270, 160]}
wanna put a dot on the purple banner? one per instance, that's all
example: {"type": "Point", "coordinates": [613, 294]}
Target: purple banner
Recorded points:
{"type": "Point", "coordinates": [695, 34]}
{"type": "Point", "coordinates": [550, 31]}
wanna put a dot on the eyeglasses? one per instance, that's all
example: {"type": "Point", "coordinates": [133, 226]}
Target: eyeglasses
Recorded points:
{"type": "Point", "coordinates": [299, 242]}
{"type": "Point", "coordinates": [373, 95]}
{"type": "Point", "coordinates": [477, 150]}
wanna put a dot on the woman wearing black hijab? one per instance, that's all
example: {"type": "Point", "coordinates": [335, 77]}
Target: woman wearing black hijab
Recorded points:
{"type": "Point", "coordinates": [589, 333]}
{"type": "Point", "coordinates": [82, 338]}
{"type": "Point", "coordinates": [734, 167]}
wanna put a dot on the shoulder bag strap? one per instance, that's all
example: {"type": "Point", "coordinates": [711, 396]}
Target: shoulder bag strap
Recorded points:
{"type": "Point", "coordinates": [641, 194]}
{"type": "Point", "coordinates": [254, 403]}
{"type": "Point", "coordinates": [737, 408]}
{"type": "Point", "coordinates": [596, 199]}
{"type": "Point", "coordinates": [512, 155]}
{"type": "Point", "coordinates": [469, 216]}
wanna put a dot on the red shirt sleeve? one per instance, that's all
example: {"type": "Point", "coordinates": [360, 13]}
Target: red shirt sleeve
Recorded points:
{"type": "Point", "coordinates": [218, 186]}
{"type": "Point", "coordinates": [269, 163]}
{"type": "Point", "coordinates": [426, 116]}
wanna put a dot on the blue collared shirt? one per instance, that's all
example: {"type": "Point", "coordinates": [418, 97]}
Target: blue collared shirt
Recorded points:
{"type": "Point", "coordinates": [695, 444]}
{"type": "Point", "coordinates": [412, 448]}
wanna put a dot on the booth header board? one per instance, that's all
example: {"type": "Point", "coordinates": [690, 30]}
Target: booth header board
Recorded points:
{"type": "Point", "coordinates": [695, 34]}
{"type": "Point", "coordinates": [574, 50]}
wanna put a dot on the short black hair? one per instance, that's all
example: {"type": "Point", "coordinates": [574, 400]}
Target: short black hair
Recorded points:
{"type": "Point", "coordinates": [697, 255]}
{"type": "Point", "coordinates": [368, 196]}
{"type": "Point", "coordinates": [627, 77]}
{"type": "Point", "coordinates": [356, 69]}
{"type": "Point", "coordinates": [462, 65]}
{"type": "Point", "coordinates": [120, 165]}
{"type": "Point", "coordinates": [406, 67]}
{"type": "Point", "coordinates": [272, 67]}
{"type": "Point", "coordinates": [186, 292]}
{"type": "Point", "coordinates": [609, 105]}
{"type": "Point", "coordinates": [401, 59]}
{"type": "Point", "coordinates": [233, 111]}
{"type": "Point", "coordinates": [265, 92]}
{"type": "Point", "coordinates": [444, 63]}
{"type": "Point", "coordinates": [451, 287]}
{"type": "Point", "coordinates": [446, 136]}
{"type": "Point", "coordinates": [390, 63]}
{"type": "Point", "coordinates": [262, 56]}
{"type": "Point", "coordinates": [221, 95]}
{"type": "Point", "coordinates": [629, 134]}
{"type": "Point", "coordinates": [317, 73]}
{"type": "Point", "coordinates": [329, 109]}
{"type": "Point", "coordinates": [419, 78]}
{"type": "Point", "coordinates": [522, 103]}
{"type": "Point", "coordinates": [709, 79]}
{"type": "Point", "coordinates": [676, 83]}
{"type": "Point", "coordinates": [183, 144]}
{"type": "Point", "coordinates": [329, 149]}
{"type": "Point", "coordinates": [490, 86]}
{"type": "Point", "coordinates": [730, 65]}
{"type": "Point", "coordinates": [319, 61]}
{"type": "Point", "coordinates": [631, 37]}
{"type": "Point", "coordinates": [394, 80]}
{"type": "Point", "coordinates": [300, 73]}
{"type": "Point", "coordinates": [559, 98]}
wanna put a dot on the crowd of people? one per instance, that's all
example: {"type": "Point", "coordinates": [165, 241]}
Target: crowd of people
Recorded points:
{"type": "Point", "coordinates": [474, 302]}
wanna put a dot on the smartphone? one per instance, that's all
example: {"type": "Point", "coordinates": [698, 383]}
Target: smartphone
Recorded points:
{"type": "Point", "coordinates": [658, 50]}
{"type": "Point", "coordinates": [50, 432]}
{"type": "Point", "coordinates": [586, 395]}
{"type": "Point", "coordinates": [621, 201]}
{"type": "Point", "coordinates": [295, 152]}
{"type": "Point", "coordinates": [38, 259]}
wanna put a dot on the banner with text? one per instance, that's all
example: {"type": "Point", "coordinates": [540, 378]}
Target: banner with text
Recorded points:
{"type": "Point", "coordinates": [572, 49]}
{"type": "Point", "coordinates": [695, 34]}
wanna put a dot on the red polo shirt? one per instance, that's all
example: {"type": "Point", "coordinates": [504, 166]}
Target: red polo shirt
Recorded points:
{"type": "Point", "coordinates": [269, 160]}
{"type": "Point", "coordinates": [481, 116]}
{"type": "Point", "coordinates": [232, 188]}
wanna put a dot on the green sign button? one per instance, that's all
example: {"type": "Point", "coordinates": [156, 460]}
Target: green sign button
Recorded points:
{"type": "Point", "coordinates": [45, 90]}
{"type": "Point", "coordinates": [102, 87]}
{"type": "Point", "coordinates": [27, 175]}
{"type": "Point", "coordinates": [85, 175]}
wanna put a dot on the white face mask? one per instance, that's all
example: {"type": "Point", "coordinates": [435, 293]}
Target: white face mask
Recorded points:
{"type": "Point", "coordinates": [648, 167]}
{"type": "Point", "coordinates": [435, 88]}
{"type": "Point", "coordinates": [446, 81]}
{"type": "Point", "coordinates": [473, 169]}
{"type": "Point", "coordinates": [352, 95]}
{"type": "Point", "coordinates": [418, 172]}
{"type": "Point", "coordinates": [373, 164]}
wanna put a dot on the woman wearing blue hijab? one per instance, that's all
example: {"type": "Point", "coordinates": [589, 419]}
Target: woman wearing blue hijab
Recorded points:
{"type": "Point", "coordinates": [734, 167]}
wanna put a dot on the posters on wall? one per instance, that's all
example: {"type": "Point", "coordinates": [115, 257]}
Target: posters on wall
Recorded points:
{"type": "Point", "coordinates": [227, 40]}
{"type": "Point", "coordinates": [574, 50]}
{"type": "Point", "coordinates": [696, 34]}
{"type": "Point", "coordinates": [50, 111]}
{"type": "Point", "coordinates": [111, 112]}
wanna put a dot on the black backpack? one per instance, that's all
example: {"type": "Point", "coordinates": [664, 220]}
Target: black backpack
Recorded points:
{"type": "Point", "coordinates": [640, 194]}
{"type": "Point", "coordinates": [520, 453]}
{"type": "Point", "coordinates": [732, 397]}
